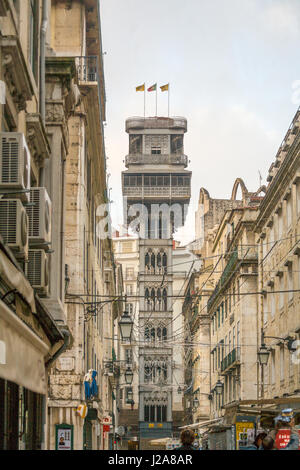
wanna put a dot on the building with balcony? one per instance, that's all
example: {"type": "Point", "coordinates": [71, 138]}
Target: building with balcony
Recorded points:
{"type": "Point", "coordinates": [278, 228]}
{"type": "Point", "coordinates": [81, 295]}
{"type": "Point", "coordinates": [30, 337]}
{"type": "Point", "coordinates": [233, 309]}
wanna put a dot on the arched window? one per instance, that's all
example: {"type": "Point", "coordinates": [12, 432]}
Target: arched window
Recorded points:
{"type": "Point", "coordinates": [153, 298]}
{"type": "Point", "coordinates": [164, 334]}
{"type": "Point", "coordinates": [164, 260]}
{"type": "Point", "coordinates": [147, 334]}
{"type": "Point", "coordinates": [147, 298]}
{"type": "Point", "coordinates": [153, 261]}
{"type": "Point", "coordinates": [147, 261]}
{"type": "Point", "coordinates": [153, 334]}
{"type": "Point", "coordinates": [158, 334]}
{"type": "Point", "coordinates": [165, 300]}
{"type": "Point", "coordinates": [159, 260]}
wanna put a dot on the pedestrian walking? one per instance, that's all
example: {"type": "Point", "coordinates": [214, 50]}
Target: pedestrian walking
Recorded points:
{"type": "Point", "coordinates": [187, 438]}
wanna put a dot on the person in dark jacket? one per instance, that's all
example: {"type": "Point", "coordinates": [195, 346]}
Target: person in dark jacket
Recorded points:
{"type": "Point", "coordinates": [187, 438]}
{"type": "Point", "coordinates": [257, 444]}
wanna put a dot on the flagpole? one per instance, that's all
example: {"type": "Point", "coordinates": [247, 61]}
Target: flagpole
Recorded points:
{"type": "Point", "coordinates": [168, 100]}
{"type": "Point", "coordinates": [156, 100]}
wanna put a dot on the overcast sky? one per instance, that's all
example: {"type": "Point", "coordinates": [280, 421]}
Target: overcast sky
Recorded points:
{"type": "Point", "coordinates": [233, 67]}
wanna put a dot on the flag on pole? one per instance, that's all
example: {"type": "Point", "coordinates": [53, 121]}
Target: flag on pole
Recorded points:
{"type": "Point", "coordinates": [152, 88]}
{"type": "Point", "coordinates": [165, 87]}
{"type": "Point", "coordinates": [140, 88]}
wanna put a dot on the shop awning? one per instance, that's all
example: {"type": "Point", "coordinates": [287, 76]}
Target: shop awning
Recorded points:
{"type": "Point", "coordinates": [22, 358]}
{"type": "Point", "coordinates": [16, 280]}
{"type": "Point", "coordinates": [202, 424]}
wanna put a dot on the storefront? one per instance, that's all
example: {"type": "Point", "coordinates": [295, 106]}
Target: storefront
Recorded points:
{"type": "Point", "coordinates": [28, 339]}
{"type": "Point", "coordinates": [22, 384]}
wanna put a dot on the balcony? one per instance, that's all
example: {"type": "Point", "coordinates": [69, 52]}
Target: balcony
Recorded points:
{"type": "Point", "coordinates": [230, 360]}
{"type": "Point", "coordinates": [87, 69]}
{"type": "Point", "coordinates": [157, 159]}
{"type": "Point", "coordinates": [240, 255]}
{"type": "Point", "coordinates": [157, 191]}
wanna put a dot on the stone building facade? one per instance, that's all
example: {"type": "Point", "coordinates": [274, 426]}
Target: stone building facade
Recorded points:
{"type": "Point", "coordinates": [75, 112]}
{"type": "Point", "coordinates": [30, 337]}
{"type": "Point", "coordinates": [278, 227]}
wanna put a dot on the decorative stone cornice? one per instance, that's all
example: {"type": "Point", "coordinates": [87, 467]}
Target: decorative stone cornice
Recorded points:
{"type": "Point", "coordinates": [61, 93]}
{"type": "Point", "coordinates": [37, 138]}
{"type": "Point", "coordinates": [15, 72]}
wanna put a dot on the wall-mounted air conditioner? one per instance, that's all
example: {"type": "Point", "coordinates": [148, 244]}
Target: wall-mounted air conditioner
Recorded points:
{"type": "Point", "coordinates": [39, 218]}
{"type": "Point", "coordinates": [14, 226]}
{"type": "Point", "coordinates": [38, 271]}
{"type": "Point", "coordinates": [14, 164]}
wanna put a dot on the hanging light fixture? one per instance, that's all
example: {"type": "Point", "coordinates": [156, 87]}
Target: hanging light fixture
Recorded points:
{"type": "Point", "coordinates": [263, 355]}
{"type": "Point", "coordinates": [196, 403]}
{"type": "Point", "coordinates": [126, 326]}
{"type": "Point", "coordinates": [219, 387]}
{"type": "Point", "coordinates": [129, 395]}
{"type": "Point", "coordinates": [128, 376]}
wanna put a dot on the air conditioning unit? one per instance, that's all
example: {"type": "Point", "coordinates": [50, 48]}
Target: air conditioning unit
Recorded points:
{"type": "Point", "coordinates": [14, 226]}
{"type": "Point", "coordinates": [14, 163]}
{"type": "Point", "coordinates": [39, 218]}
{"type": "Point", "coordinates": [38, 271]}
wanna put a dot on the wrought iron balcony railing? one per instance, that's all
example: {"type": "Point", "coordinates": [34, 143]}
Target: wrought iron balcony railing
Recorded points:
{"type": "Point", "coordinates": [230, 359]}
{"type": "Point", "coordinates": [87, 69]}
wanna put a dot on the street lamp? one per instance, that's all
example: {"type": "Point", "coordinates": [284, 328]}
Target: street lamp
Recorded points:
{"type": "Point", "coordinates": [129, 396]}
{"type": "Point", "coordinates": [126, 326]}
{"type": "Point", "coordinates": [219, 387]}
{"type": "Point", "coordinates": [263, 355]}
{"type": "Point", "coordinates": [128, 376]}
{"type": "Point", "coordinates": [196, 403]}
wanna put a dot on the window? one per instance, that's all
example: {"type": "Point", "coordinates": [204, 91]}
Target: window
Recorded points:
{"type": "Point", "coordinates": [281, 363]}
{"type": "Point", "coordinates": [289, 212]}
{"type": "Point", "coordinates": [280, 224]}
{"type": "Point", "coordinates": [129, 274]}
{"type": "Point", "coordinates": [128, 355]}
{"type": "Point", "coordinates": [155, 150]}
{"type": "Point", "coordinates": [273, 368]}
{"type": "Point", "coordinates": [129, 289]}
{"type": "Point", "coordinates": [272, 301]}
{"type": "Point", "coordinates": [127, 247]}
{"type": "Point", "coordinates": [265, 307]}
{"type": "Point", "coordinates": [281, 293]}
{"type": "Point", "coordinates": [176, 143]}
{"type": "Point", "coordinates": [135, 144]}
{"type": "Point", "coordinates": [238, 334]}
{"type": "Point", "coordinates": [290, 281]}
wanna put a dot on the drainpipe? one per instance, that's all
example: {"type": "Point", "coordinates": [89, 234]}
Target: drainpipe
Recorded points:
{"type": "Point", "coordinates": [44, 27]}
{"type": "Point", "coordinates": [66, 334]}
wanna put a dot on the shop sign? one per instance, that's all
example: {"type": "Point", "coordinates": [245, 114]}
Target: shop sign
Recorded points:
{"type": "Point", "coordinates": [245, 434]}
{"type": "Point", "coordinates": [82, 411]}
{"type": "Point", "coordinates": [64, 437]}
{"type": "Point", "coordinates": [283, 437]}
{"type": "Point", "coordinates": [107, 420]}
